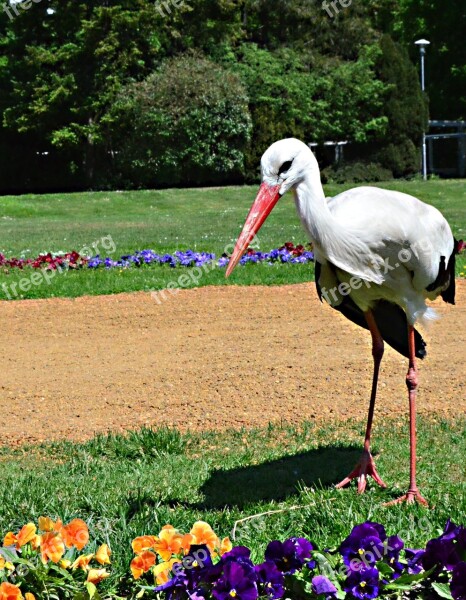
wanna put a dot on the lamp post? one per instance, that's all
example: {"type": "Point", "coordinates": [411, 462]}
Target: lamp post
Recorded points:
{"type": "Point", "coordinates": [422, 44]}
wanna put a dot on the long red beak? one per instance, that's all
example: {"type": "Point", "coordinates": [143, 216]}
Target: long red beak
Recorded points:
{"type": "Point", "coordinates": [265, 200]}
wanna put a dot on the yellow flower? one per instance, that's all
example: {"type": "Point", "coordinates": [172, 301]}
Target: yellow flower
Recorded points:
{"type": "Point", "coordinates": [168, 543]}
{"type": "Point", "coordinates": [52, 547]}
{"type": "Point", "coordinates": [162, 570]}
{"type": "Point", "coordinates": [65, 563]}
{"type": "Point", "coordinates": [8, 591]}
{"type": "Point", "coordinates": [142, 543]}
{"type": "Point", "coordinates": [203, 534]}
{"type": "Point", "coordinates": [102, 555]}
{"type": "Point", "coordinates": [46, 524]}
{"type": "Point", "coordinates": [82, 562]}
{"type": "Point", "coordinates": [97, 575]}
{"type": "Point", "coordinates": [225, 546]}
{"type": "Point", "coordinates": [29, 596]}
{"type": "Point", "coordinates": [142, 563]}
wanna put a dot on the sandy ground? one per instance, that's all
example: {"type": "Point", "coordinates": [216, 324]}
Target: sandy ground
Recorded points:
{"type": "Point", "coordinates": [206, 358]}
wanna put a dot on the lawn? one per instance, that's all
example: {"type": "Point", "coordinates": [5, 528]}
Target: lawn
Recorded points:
{"type": "Point", "coordinates": [125, 487]}
{"type": "Point", "coordinates": [199, 219]}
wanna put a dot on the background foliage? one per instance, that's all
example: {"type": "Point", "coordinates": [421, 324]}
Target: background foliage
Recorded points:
{"type": "Point", "coordinates": [135, 93]}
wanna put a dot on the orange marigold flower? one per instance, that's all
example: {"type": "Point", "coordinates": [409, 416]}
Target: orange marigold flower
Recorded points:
{"type": "Point", "coordinates": [97, 575]}
{"type": "Point", "coordinates": [168, 543]}
{"type": "Point", "coordinates": [82, 562]}
{"type": "Point", "coordinates": [102, 555]}
{"type": "Point", "coordinates": [225, 546]}
{"type": "Point", "coordinates": [142, 563]}
{"type": "Point", "coordinates": [76, 534]}
{"type": "Point", "coordinates": [144, 542]}
{"type": "Point", "coordinates": [203, 534]}
{"type": "Point", "coordinates": [52, 547]}
{"type": "Point", "coordinates": [8, 591]}
{"type": "Point", "coordinates": [2, 563]}
{"type": "Point", "coordinates": [46, 524]}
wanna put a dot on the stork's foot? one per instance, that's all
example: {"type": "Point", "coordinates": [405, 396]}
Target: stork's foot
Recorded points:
{"type": "Point", "coordinates": [411, 497]}
{"type": "Point", "coordinates": [364, 469]}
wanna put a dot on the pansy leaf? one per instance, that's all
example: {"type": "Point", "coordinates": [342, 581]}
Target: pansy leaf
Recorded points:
{"type": "Point", "coordinates": [443, 590]}
{"type": "Point", "coordinates": [408, 580]}
{"type": "Point", "coordinates": [385, 569]}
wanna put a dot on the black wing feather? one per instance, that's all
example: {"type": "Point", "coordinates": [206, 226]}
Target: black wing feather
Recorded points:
{"type": "Point", "coordinates": [390, 318]}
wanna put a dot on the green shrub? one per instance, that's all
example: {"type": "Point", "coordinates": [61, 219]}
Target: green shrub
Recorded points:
{"type": "Point", "coordinates": [187, 123]}
{"type": "Point", "coordinates": [356, 172]}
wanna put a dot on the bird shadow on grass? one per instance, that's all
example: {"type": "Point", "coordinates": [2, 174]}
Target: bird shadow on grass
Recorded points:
{"type": "Point", "coordinates": [278, 479]}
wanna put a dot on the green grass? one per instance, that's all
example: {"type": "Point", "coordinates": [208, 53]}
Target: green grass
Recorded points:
{"type": "Point", "coordinates": [200, 219]}
{"type": "Point", "coordinates": [126, 487]}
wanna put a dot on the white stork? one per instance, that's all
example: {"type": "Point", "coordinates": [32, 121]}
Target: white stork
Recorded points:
{"type": "Point", "coordinates": [379, 255]}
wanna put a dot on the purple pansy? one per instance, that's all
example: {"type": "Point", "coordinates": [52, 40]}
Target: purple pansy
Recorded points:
{"type": "Point", "coordinates": [458, 582]}
{"type": "Point", "coordinates": [236, 582]}
{"type": "Point", "coordinates": [322, 586]}
{"type": "Point", "coordinates": [364, 546]}
{"type": "Point", "coordinates": [271, 581]}
{"type": "Point", "coordinates": [392, 548]}
{"type": "Point", "coordinates": [291, 555]}
{"type": "Point", "coordinates": [447, 550]}
{"type": "Point", "coordinates": [414, 558]}
{"type": "Point", "coordinates": [363, 584]}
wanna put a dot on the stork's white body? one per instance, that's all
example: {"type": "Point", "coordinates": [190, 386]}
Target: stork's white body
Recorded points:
{"type": "Point", "coordinates": [391, 241]}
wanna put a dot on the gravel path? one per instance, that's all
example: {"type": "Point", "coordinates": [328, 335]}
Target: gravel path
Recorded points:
{"type": "Point", "coordinates": [206, 358]}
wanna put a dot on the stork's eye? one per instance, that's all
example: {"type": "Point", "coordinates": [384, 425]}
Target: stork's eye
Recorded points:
{"type": "Point", "coordinates": [285, 167]}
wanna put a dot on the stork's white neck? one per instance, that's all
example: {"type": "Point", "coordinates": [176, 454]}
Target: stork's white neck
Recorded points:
{"type": "Point", "coordinates": [332, 240]}
{"type": "Point", "coordinates": [313, 209]}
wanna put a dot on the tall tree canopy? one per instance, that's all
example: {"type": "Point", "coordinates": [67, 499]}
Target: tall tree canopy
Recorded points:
{"type": "Point", "coordinates": [66, 64]}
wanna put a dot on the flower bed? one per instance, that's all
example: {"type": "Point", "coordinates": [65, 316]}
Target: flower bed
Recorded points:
{"type": "Point", "coordinates": [45, 563]}
{"type": "Point", "coordinates": [288, 253]}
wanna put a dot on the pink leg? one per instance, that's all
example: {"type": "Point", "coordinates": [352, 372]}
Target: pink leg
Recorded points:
{"type": "Point", "coordinates": [412, 382]}
{"type": "Point", "coordinates": [366, 466]}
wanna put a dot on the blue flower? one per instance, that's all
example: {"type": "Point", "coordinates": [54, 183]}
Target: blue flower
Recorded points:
{"type": "Point", "coordinates": [447, 550]}
{"type": "Point", "coordinates": [271, 581]}
{"type": "Point", "coordinates": [458, 582]}
{"type": "Point", "coordinates": [363, 584]}
{"type": "Point", "coordinates": [291, 555]}
{"type": "Point", "coordinates": [414, 558]}
{"type": "Point", "coordinates": [364, 546]}
{"type": "Point", "coordinates": [323, 586]}
{"type": "Point", "coordinates": [236, 582]}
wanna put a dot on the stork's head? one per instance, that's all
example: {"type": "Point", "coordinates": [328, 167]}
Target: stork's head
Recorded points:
{"type": "Point", "coordinates": [283, 166]}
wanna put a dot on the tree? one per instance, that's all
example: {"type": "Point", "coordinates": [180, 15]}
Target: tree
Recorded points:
{"type": "Point", "coordinates": [333, 100]}
{"type": "Point", "coordinates": [405, 107]}
{"type": "Point", "coordinates": [187, 123]}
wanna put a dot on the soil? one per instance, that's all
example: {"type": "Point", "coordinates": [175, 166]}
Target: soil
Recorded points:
{"type": "Point", "coordinates": [208, 358]}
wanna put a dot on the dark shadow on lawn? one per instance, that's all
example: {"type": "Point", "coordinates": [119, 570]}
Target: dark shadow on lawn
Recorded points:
{"type": "Point", "coordinates": [279, 479]}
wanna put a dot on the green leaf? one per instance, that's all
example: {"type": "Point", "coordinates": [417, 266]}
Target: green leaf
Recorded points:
{"type": "Point", "coordinates": [91, 590]}
{"type": "Point", "coordinates": [443, 590]}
